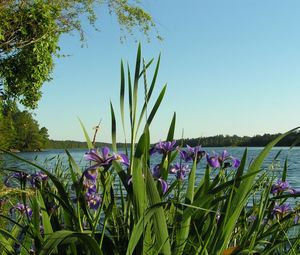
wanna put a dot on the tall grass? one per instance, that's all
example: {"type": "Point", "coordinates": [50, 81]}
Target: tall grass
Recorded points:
{"type": "Point", "coordinates": [123, 204]}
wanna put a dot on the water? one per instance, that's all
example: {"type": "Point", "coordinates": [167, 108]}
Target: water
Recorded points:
{"type": "Point", "coordinates": [48, 158]}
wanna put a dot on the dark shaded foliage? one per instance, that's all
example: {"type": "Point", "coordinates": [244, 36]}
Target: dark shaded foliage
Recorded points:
{"type": "Point", "coordinates": [247, 141]}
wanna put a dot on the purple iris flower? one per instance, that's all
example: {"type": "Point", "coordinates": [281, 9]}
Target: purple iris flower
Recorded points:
{"type": "Point", "coordinates": [101, 160]}
{"type": "Point", "coordinates": [37, 178]}
{"type": "Point", "coordinates": [281, 186]}
{"type": "Point", "coordinates": [282, 210]}
{"type": "Point", "coordinates": [121, 158]}
{"type": "Point", "coordinates": [213, 161]}
{"type": "Point", "coordinates": [22, 209]}
{"type": "Point", "coordinates": [180, 170]}
{"type": "Point", "coordinates": [222, 160]}
{"type": "Point", "coordinates": [93, 200]}
{"type": "Point", "coordinates": [21, 176]}
{"type": "Point", "coordinates": [191, 153]}
{"type": "Point", "coordinates": [163, 147]}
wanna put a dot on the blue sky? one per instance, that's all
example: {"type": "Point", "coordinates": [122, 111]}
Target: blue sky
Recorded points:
{"type": "Point", "coordinates": [232, 67]}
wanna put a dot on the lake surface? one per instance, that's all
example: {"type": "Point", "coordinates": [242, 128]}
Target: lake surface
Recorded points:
{"type": "Point", "coordinates": [48, 158]}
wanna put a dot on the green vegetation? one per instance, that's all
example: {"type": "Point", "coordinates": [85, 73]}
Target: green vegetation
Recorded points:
{"type": "Point", "coordinates": [131, 204]}
{"type": "Point", "coordinates": [245, 141]}
{"type": "Point", "coordinates": [19, 131]}
{"type": "Point", "coordinates": [29, 36]}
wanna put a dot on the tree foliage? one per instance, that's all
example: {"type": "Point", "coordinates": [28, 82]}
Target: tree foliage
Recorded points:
{"type": "Point", "coordinates": [30, 32]}
{"type": "Point", "coordinates": [19, 131]}
{"type": "Point", "coordinates": [244, 141]}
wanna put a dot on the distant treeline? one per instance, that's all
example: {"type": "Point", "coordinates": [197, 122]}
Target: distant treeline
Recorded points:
{"type": "Point", "coordinates": [69, 144]}
{"type": "Point", "coordinates": [211, 141]}
{"type": "Point", "coordinates": [247, 141]}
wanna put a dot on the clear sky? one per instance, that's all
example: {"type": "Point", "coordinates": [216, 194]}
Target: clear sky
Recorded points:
{"type": "Point", "coordinates": [232, 67]}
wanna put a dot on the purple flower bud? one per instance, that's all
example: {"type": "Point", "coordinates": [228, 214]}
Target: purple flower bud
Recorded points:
{"type": "Point", "coordinates": [89, 185]}
{"type": "Point", "coordinates": [91, 174]}
{"type": "Point", "coordinates": [235, 163]}
{"type": "Point", "coordinates": [213, 161]}
{"type": "Point", "coordinates": [156, 171]}
{"type": "Point", "coordinates": [93, 200]}
{"type": "Point", "coordinates": [164, 185]}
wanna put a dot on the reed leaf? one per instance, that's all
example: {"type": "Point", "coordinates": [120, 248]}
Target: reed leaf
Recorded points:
{"type": "Point", "coordinates": [146, 67]}
{"type": "Point", "coordinates": [45, 217]}
{"type": "Point", "coordinates": [138, 181]}
{"type": "Point", "coordinates": [87, 138]}
{"type": "Point", "coordinates": [138, 230]}
{"type": "Point", "coordinates": [162, 242]}
{"type": "Point", "coordinates": [156, 105]}
{"type": "Point", "coordinates": [5, 247]}
{"type": "Point", "coordinates": [67, 237]}
{"type": "Point", "coordinates": [171, 131]}
{"type": "Point", "coordinates": [122, 96]}
{"type": "Point", "coordinates": [136, 82]}
{"type": "Point", "coordinates": [130, 96]}
{"type": "Point", "coordinates": [149, 93]}
{"type": "Point", "coordinates": [4, 233]}
{"type": "Point", "coordinates": [113, 129]}
{"type": "Point", "coordinates": [184, 229]}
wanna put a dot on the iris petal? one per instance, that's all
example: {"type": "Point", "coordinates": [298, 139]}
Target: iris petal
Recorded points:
{"type": "Point", "coordinates": [164, 185]}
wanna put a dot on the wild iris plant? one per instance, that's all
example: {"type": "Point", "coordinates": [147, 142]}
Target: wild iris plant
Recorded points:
{"type": "Point", "coordinates": [148, 200]}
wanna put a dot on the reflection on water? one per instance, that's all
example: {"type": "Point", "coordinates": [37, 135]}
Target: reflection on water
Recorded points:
{"type": "Point", "coordinates": [48, 158]}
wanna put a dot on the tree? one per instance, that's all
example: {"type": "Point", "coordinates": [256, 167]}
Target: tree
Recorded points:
{"type": "Point", "coordinates": [20, 131]}
{"type": "Point", "coordinates": [30, 32]}
{"type": "Point", "coordinates": [7, 131]}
